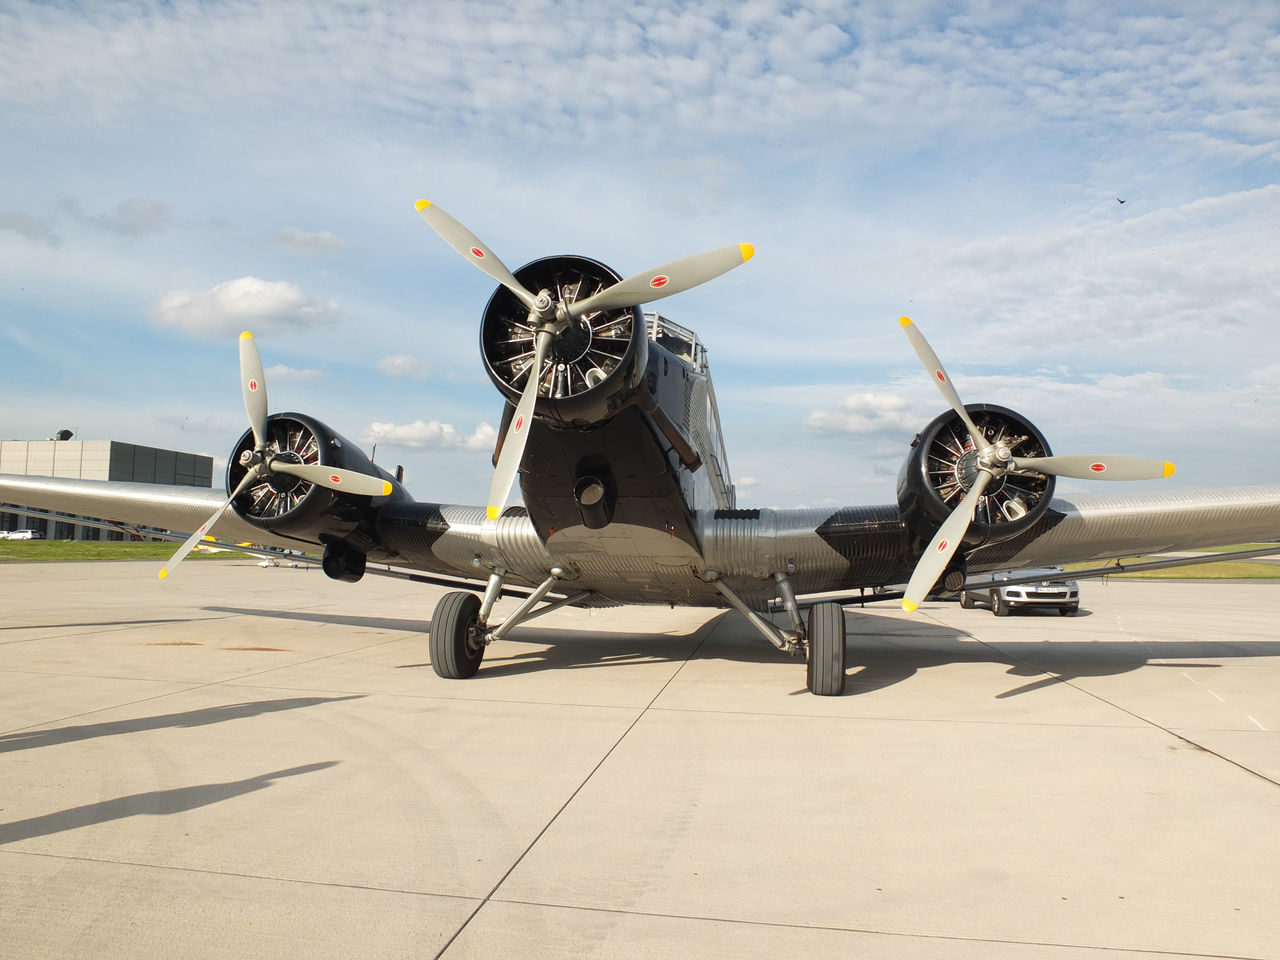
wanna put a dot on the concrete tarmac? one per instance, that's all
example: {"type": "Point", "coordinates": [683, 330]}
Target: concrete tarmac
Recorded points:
{"type": "Point", "coordinates": [246, 762]}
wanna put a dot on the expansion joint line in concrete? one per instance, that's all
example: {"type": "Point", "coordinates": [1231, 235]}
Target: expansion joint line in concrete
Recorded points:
{"type": "Point", "coordinates": [1147, 721]}
{"type": "Point", "coordinates": [707, 631]}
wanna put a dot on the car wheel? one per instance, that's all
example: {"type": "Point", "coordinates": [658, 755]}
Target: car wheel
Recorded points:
{"type": "Point", "coordinates": [1067, 611]}
{"type": "Point", "coordinates": [966, 601]}
{"type": "Point", "coordinates": [999, 606]}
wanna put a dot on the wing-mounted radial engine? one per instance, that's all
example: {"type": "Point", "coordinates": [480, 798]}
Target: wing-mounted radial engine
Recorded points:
{"type": "Point", "coordinates": [292, 475]}
{"type": "Point", "coordinates": [943, 466]}
{"type": "Point", "coordinates": [983, 473]}
{"type": "Point", "coordinates": [593, 366]}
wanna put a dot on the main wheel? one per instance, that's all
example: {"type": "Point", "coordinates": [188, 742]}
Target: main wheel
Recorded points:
{"type": "Point", "coordinates": [456, 645]}
{"type": "Point", "coordinates": [825, 673]}
{"type": "Point", "coordinates": [999, 606]}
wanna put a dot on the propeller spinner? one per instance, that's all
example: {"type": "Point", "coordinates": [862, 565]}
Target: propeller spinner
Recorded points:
{"type": "Point", "coordinates": [994, 460]}
{"type": "Point", "coordinates": [549, 318]}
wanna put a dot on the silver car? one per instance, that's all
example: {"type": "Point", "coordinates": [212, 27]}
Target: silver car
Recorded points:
{"type": "Point", "coordinates": [1053, 590]}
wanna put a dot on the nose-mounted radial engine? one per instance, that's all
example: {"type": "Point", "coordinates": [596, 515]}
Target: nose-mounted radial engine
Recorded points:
{"type": "Point", "coordinates": [981, 473]}
{"type": "Point", "coordinates": [573, 352]}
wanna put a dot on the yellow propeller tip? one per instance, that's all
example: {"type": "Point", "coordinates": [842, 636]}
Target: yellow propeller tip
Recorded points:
{"type": "Point", "coordinates": [493, 513]}
{"type": "Point", "coordinates": [246, 335]}
{"type": "Point", "coordinates": [910, 607]}
{"type": "Point", "coordinates": [905, 321]}
{"type": "Point", "coordinates": [386, 489]}
{"type": "Point", "coordinates": [164, 572]}
{"type": "Point", "coordinates": [422, 205]}
{"type": "Point", "coordinates": [1169, 468]}
{"type": "Point", "coordinates": [748, 251]}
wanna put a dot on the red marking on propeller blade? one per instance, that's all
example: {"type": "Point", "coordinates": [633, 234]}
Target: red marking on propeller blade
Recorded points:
{"type": "Point", "coordinates": [1098, 467]}
{"type": "Point", "coordinates": [477, 253]}
{"type": "Point", "coordinates": [942, 545]}
{"type": "Point", "coordinates": [253, 386]}
{"type": "Point", "coordinates": [659, 281]}
{"type": "Point", "coordinates": [335, 478]}
{"type": "Point", "coordinates": [942, 377]}
{"type": "Point", "coordinates": [519, 424]}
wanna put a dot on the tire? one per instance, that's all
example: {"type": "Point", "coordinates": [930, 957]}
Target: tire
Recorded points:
{"type": "Point", "coordinates": [999, 606]}
{"type": "Point", "coordinates": [1067, 611]}
{"type": "Point", "coordinates": [966, 600]}
{"type": "Point", "coordinates": [452, 628]}
{"type": "Point", "coordinates": [824, 675]}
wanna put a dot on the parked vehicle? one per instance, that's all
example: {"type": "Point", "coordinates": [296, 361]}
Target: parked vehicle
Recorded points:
{"type": "Point", "coordinates": [1054, 591]}
{"type": "Point", "coordinates": [24, 535]}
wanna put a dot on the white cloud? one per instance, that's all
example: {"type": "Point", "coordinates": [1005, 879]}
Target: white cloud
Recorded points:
{"type": "Point", "coordinates": [865, 413]}
{"type": "Point", "coordinates": [402, 366]}
{"type": "Point", "coordinates": [246, 303]}
{"type": "Point", "coordinates": [433, 434]}
{"type": "Point", "coordinates": [319, 244]}
{"type": "Point", "coordinates": [280, 372]}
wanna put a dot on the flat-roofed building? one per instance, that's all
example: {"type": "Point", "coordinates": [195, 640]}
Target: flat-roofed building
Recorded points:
{"type": "Point", "coordinates": [93, 460]}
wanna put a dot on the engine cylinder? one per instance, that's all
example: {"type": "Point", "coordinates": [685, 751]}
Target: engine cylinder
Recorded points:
{"type": "Point", "coordinates": [594, 366]}
{"type": "Point", "coordinates": [942, 466]}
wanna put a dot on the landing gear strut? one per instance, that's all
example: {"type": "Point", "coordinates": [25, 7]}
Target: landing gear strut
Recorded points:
{"type": "Point", "coordinates": [460, 625]}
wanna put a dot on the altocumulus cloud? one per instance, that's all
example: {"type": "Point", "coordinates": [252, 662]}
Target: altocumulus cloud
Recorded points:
{"type": "Point", "coordinates": [432, 434]}
{"type": "Point", "coordinates": [264, 306]}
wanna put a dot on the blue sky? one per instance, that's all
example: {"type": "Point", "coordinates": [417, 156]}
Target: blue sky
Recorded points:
{"type": "Point", "coordinates": [173, 173]}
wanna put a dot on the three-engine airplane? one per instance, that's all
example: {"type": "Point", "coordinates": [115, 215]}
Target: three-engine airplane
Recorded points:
{"type": "Point", "coordinates": [611, 424]}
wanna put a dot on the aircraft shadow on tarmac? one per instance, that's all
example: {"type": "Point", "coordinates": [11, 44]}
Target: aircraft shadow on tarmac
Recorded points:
{"type": "Point", "coordinates": [155, 803]}
{"type": "Point", "coordinates": [881, 650]}
{"type": "Point", "coordinates": [33, 739]}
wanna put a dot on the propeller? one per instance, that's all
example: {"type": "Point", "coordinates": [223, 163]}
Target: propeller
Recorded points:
{"type": "Point", "coordinates": [994, 460]}
{"type": "Point", "coordinates": [260, 464]}
{"type": "Point", "coordinates": [549, 318]}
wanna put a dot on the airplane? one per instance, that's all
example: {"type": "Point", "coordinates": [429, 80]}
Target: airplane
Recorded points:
{"type": "Point", "coordinates": [611, 426]}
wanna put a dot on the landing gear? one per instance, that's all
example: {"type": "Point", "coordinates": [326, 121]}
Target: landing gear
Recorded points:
{"type": "Point", "coordinates": [457, 646]}
{"type": "Point", "coordinates": [825, 673]}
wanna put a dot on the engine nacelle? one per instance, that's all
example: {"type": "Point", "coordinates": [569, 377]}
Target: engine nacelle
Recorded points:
{"type": "Point", "coordinates": [594, 366]}
{"type": "Point", "coordinates": [941, 468]}
{"type": "Point", "coordinates": [291, 506]}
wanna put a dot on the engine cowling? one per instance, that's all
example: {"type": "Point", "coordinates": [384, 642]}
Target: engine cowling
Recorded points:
{"type": "Point", "coordinates": [291, 506]}
{"type": "Point", "coordinates": [941, 468]}
{"type": "Point", "coordinates": [594, 366]}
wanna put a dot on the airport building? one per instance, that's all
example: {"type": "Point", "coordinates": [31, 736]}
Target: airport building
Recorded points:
{"type": "Point", "coordinates": [93, 460]}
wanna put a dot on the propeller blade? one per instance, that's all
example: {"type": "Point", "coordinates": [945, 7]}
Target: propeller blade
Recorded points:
{"type": "Point", "coordinates": [346, 481]}
{"type": "Point", "coordinates": [943, 546]}
{"type": "Point", "coordinates": [1096, 468]}
{"type": "Point", "coordinates": [254, 385]}
{"type": "Point", "coordinates": [250, 477]}
{"type": "Point", "coordinates": [471, 247]}
{"type": "Point", "coordinates": [670, 278]}
{"type": "Point", "coordinates": [941, 380]}
{"type": "Point", "coordinates": [518, 433]}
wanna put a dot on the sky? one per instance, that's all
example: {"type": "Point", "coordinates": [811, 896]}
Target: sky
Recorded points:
{"type": "Point", "coordinates": [172, 173]}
